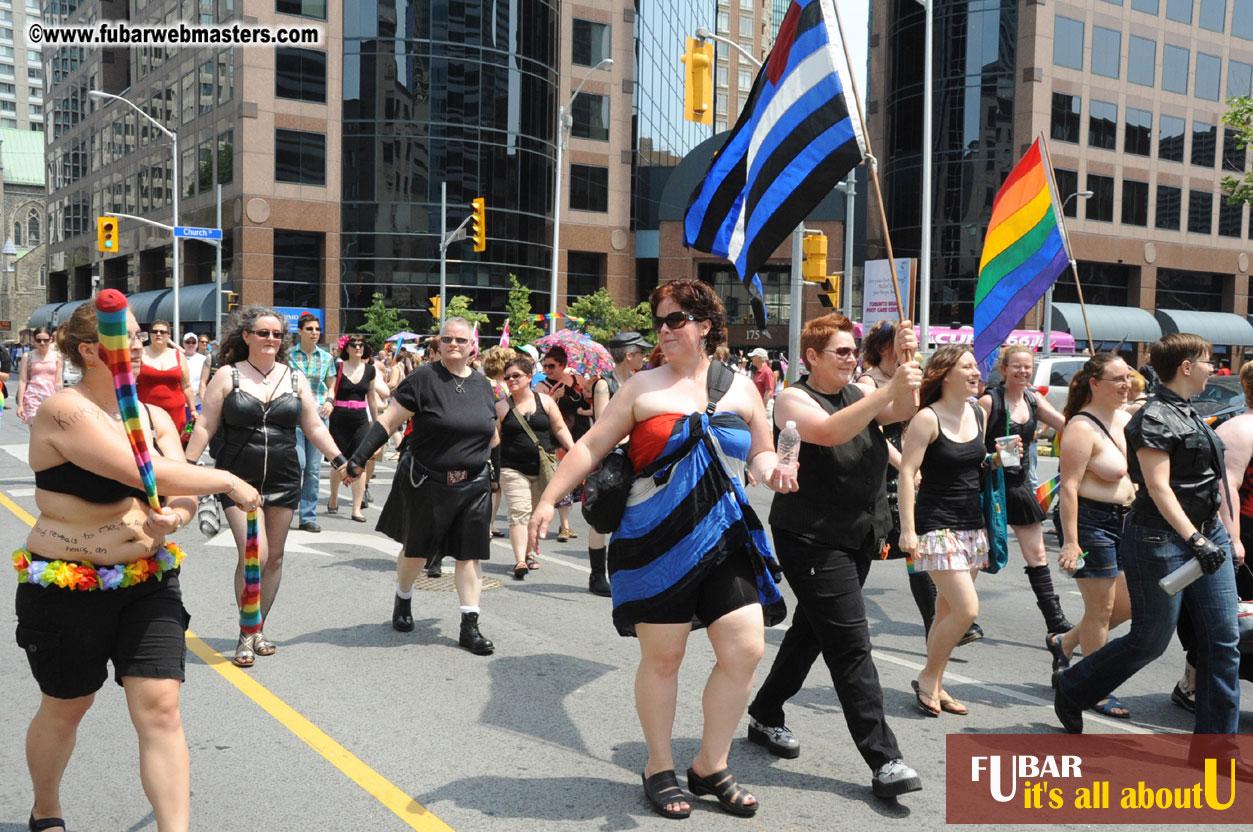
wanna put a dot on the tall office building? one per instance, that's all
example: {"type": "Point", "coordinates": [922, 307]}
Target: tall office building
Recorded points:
{"type": "Point", "coordinates": [1130, 96]}
{"type": "Point", "coordinates": [21, 68]}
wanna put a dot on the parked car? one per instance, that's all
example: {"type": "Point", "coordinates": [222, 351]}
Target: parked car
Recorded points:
{"type": "Point", "coordinates": [1222, 398]}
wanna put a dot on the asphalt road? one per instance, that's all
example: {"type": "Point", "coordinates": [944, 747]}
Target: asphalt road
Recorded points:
{"type": "Point", "coordinates": [352, 725]}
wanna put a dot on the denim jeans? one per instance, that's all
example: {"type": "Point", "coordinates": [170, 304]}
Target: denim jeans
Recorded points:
{"type": "Point", "coordinates": [830, 620]}
{"type": "Point", "coordinates": [310, 460]}
{"type": "Point", "coordinates": [1147, 556]}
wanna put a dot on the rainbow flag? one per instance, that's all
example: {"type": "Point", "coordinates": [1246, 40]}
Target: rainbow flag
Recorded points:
{"type": "Point", "coordinates": [1047, 493]}
{"type": "Point", "coordinates": [1024, 251]}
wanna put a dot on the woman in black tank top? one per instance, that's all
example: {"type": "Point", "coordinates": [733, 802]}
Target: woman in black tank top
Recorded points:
{"type": "Point", "coordinates": [1004, 407]}
{"type": "Point", "coordinates": [942, 525]}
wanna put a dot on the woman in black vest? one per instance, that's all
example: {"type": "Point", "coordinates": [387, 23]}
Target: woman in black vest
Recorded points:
{"type": "Point", "coordinates": [827, 534]}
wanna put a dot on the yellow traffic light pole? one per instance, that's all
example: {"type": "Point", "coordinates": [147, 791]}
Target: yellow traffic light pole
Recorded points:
{"type": "Point", "coordinates": [477, 220]}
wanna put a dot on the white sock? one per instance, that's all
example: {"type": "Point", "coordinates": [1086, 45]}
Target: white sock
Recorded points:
{"type": "Point", "coordinates": [465, 609]}
{"type": "Point", "coordinates": [404, 596]}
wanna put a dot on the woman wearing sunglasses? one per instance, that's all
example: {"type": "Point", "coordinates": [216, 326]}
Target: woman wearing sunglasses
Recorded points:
{"type": "Point", "coordinates": [357, 393]}
{"type": "Point", "coordinates": [259, 401]}
{"type": "Point", "coordinates": [440, 501]}
{"type": "Point", "coordinates": [164, 378]}
{"type": "Point", "coordinates": [828, 533]}
{"type": "Point", "coordinates": [689, 547]}
{"type": "Point", "coordinates": [39, 375]}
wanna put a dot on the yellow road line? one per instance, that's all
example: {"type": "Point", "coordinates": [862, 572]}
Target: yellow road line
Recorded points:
{"type": "Point", "coordinates": [414, 814]}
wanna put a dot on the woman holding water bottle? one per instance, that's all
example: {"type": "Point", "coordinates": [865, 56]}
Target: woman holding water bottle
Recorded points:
{"type": "Point", "coordinates": [1096, 495]}
{"type": "Point", "coordinates": [827, 533]}
{"type": "Point", "coordinates": [1178, 463]}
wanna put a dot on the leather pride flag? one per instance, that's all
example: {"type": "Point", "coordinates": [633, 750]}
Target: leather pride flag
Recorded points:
{"type": "Point", "coordinates": [793, 142]}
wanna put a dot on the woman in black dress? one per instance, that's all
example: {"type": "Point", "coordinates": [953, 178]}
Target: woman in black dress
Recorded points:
{"type": "Point", "coordinates": [1013, 410]}
{"type": "Point", "coordinates": [358, 390]}
{"type": "Point", "coordinates": [260, 401]}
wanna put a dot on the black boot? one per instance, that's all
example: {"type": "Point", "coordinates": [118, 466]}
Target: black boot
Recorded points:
{"type": "Point", "coordinates": [1054, 619]}
{"type": "Point", "coordinates": [598, 583]}
{"type": "Point", "coordinates": [433, 569]}
{"type": "Point", "coordinates": [402, 616]}
{"type": "Point", "coordinates": [471, 639]}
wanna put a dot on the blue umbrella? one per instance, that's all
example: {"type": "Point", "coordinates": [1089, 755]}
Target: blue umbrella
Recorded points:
{"type": "Point", "coordinates": [405, 336]}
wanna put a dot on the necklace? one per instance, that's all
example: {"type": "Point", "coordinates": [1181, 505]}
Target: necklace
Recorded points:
{"type": "Point", "coordinates": [458, 381]}
{"type": "Point", "coordinates": [265, 375]}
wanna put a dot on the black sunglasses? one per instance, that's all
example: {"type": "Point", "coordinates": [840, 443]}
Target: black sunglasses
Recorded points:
{"type": "Point", "coordinates": [267, 333]}
{"type": "Point", "coordinates": [843, 352]}
{"type": "Point", "coordinates": [160, 332]}
{"type": "Point", "coordinates": [43, 340]}
{"type": "Point", "coordinates": [450, 339]}
{"type": "Point", "coordinates": [514, 377]}
{"type": "Point", "coordinates": [675, 320]}
{"type": "Point", "coordinates": [356, 343]}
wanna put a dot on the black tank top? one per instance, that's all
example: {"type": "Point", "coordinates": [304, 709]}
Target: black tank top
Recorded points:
{"type": "Point", "coordinates": [949, 495]}
{"type": "Point", "coordinates": [354, 391]}
{"type": "Point", "coordinates": [842, 499]}
{"type": "Point", "coordinates": [517, 451]}
{"type": "Point", "coordinates": [998, 418]}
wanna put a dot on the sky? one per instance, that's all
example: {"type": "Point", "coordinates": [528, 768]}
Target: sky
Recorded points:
{"type": "Point", "coordinates": [855, 14]}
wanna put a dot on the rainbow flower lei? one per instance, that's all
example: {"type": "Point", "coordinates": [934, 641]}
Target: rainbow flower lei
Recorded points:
{"type": "Point", "coordinates": [82, 575]}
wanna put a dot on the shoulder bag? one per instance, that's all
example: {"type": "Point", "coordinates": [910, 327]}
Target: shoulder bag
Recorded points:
{"type": "Point", "coordinates": [605, 491]}
{"type": "Point", "coordinates": [995, 519]}
{"type": "Point", "coordinates": [547, 459]}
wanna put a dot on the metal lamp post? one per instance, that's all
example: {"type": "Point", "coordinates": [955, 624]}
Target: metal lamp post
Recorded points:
{"type": "Point", "coordinates": [1048, 295]}
{"type": "Point", "coordinates": [173, 137]}
{"type": "Point", "coordinates": [563, 124]}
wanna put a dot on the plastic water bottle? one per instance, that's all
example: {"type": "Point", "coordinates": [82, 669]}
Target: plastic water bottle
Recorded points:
{"type": "Point", "coordinates": [1181, 578]}
{"type": "Point", "coordinates": [789, 449]}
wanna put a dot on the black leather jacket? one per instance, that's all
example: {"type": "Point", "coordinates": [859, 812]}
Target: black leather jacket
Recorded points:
{"type": "Point", "coordinates": [1168, 423]}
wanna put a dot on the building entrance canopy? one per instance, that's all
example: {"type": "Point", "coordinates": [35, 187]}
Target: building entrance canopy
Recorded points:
{"type": "Point", "coordinates": [1225, 328]}
{"type": "Point", "coordinates": [1109, 323]}
{"type": "Point", "coordinates": [195, 302]}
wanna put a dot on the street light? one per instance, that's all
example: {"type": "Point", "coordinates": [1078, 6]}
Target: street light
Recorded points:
{"type": "Point", "coordinates": [563, 124]}
{"type": "Point", "coordinates": [173, 137]}
{"type": "Point", "coordinates": [1048, 295]}
{"type": "Point", "coordinates": [704, 34]}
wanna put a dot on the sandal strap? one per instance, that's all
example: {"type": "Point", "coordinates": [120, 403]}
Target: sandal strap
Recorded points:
{"type": "Point", "coordinates": [725, 787]}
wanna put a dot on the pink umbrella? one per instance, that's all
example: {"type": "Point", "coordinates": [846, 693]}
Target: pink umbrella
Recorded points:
{"type": "Point", "coordinates": [585, 355]}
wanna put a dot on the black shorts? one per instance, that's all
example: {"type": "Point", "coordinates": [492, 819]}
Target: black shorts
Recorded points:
{"type": "Point", "coordinates": [70, 636]}
{"type": "Point", "coordinates": [730, 585]}
{"type": "Point", "coordinates": [431, 518]}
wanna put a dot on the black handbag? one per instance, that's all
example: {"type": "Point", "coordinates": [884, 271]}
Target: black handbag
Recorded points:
{"type": "Point", "coordinates": [605, 491]}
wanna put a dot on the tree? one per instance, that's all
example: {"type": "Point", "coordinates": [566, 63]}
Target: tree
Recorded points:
{"type": "Point", "coordinates": [522, 329]}
{"type": "Point", "coordinates": [606, 319]}
{"type": "Point", "coordinates": [1239, 189]}
{"type": "Point", "coordinates": [382, 322]}
{"type": "Point", "coordinates": [459, 307]}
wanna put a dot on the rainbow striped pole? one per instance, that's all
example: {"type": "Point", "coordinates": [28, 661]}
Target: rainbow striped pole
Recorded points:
{"type": "Point", "coordinates": [116, 349]}
{"type": "Point", "coordinates": [250, 600]}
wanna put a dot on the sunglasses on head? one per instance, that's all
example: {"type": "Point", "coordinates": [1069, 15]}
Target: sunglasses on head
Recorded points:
{"type": "Point", "coordinates": [267, 333]}
{"type": "Point", "coordinates": [675, 320]}
{"type": "Point", "coordinates": [452, 339]}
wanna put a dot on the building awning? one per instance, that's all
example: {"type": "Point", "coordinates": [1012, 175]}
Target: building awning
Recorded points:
{"type": "Point", "coordinates": [1109, 323]}
{"type": "Point", "coordinates": [144, 304]}
{"type": "Point", "coordinates": [195, 305]}
{"type": "Point", "coordinates": [1225, 328]}
{"type": "Point", "coordinates": [42, 316]}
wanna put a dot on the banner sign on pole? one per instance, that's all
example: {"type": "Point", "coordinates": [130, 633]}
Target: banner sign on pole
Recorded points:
{"type": "Point", "coordinates": [878, 299]}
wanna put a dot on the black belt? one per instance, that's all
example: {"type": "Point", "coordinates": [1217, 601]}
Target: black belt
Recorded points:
{"type": "Point", "coordinates": [453, 477]}
{"type": "Point", "coordinates": [1114, 508]}
{"type": "Point", "coordinates": [1161, 524]}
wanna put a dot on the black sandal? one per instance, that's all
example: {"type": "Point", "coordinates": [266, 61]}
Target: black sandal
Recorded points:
{"type": "Point", "coordinates": [722, 785]}
{"type": "Point", "coordinates": [44, 823]}
{"type": "Point", "coordinates": [520, 570]}
{"type": "Point", "coordinates": [663, 789]}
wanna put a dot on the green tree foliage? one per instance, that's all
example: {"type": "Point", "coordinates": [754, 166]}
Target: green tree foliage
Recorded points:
{"type": "Point", "coordinates": [382, 322]}
{"type": "Point", "coordinates": [605, 318]}
{"type": "Point", "coordinates": [522, 330]}
{"type": "Point", "coordinates": [459, 307]}
{"type": "Point", "coordinates": [1239, 116]}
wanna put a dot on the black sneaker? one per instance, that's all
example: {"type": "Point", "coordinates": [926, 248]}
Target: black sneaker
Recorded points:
{"type": "Point", "coordinates": [778, 740]}
{"type": "Point", "coordinates": [1068, 713]}
{"type": "Point", "coordinates": [973, 634]}
{"type": "Point", "coordinates": [1184, 699]}
{"type": "Point", "coordinates": [310, 527]}
{"type": "Point", "coordinates": [894, 779]}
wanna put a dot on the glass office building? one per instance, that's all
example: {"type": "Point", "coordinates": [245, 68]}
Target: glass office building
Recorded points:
{"type": "Point", "coordinates": [462, 93]}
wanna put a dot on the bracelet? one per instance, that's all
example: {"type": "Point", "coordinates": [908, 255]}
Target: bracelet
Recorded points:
{"type": "Point", "coordinates": [234, 484]}
{"type": "Point", "coordinates": [339, 461]}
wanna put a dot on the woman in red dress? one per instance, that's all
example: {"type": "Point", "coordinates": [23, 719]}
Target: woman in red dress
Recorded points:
{"type": "Point", "coordinates": [163, 380]}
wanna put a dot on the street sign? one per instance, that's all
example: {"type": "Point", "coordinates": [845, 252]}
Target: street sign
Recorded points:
{"type": "Point", "coordinates": [194, 233]}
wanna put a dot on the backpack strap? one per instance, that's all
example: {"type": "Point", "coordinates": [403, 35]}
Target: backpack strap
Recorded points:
{"type": "Point", "coordinates": [718, 381]}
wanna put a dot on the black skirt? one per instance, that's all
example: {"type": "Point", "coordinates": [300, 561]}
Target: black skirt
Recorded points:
{"type": "Point", "coordinates": [429, 517]}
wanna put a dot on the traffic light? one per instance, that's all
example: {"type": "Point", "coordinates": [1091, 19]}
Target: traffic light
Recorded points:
{"type": "Point", "coordinates": [698, 95]}
{"type": "Point", "coordinates": [829, 292]}
{"type": "Point", "coordinates": [814, 266]}
{"type": "Point", "coordinates": [435, 310]}
{"type": "Point", "coordinates": [232, 301]}
{"type": "Point", "coordinates": [478, 224]}
{"type": "Point", "coordinates": [106, 234]}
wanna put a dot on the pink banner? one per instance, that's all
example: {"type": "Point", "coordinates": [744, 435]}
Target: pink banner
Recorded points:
{"type": "Point", "coordinates": [1062, 342]}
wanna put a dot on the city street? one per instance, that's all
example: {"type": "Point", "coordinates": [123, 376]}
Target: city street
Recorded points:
{"type": "Point", "coordinates": [351, 725]}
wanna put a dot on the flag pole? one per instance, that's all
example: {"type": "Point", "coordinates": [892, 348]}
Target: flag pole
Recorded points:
{"type": "Point", "coordinates": [1061, 223]}
{"type": "Point", "coordinates": [874, 171]}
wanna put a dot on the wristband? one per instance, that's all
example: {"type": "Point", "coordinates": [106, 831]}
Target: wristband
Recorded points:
{"type": "Point", "coordinates": [339, 461]}
{"type": "Point", "coordinates": [375, 438]}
